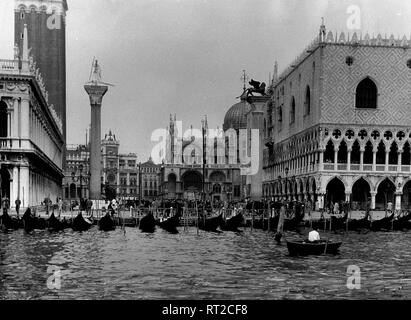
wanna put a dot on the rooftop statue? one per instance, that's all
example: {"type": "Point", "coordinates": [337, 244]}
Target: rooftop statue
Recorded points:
{"type": "Point", "coordinates": [257, 87]}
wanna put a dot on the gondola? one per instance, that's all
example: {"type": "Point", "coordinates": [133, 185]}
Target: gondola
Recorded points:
{"type": "Point", "coordinates": [357, 224]}
{"type": "Point", "coordinates": [305, 248]}
{"type": "Point", "coordinates": [170, 224]}
{"type": "Point", "coordinates": [29, 222]}
{"type": "Point", "coordinates": [148, 223]}
{"type": "Point", "coordinates": [291, 224]}
{"type": "Point", "coordinates": [210, 224]}
{"type": "Point", "coordinates": [81, 224]}
{"type": "Point", "coordinates": [107, 223]}
{"type": "Point", "coordinates": [258, 223]}
{"type": "Point", "coordinates": [338, 223]}
{"type": "Point", "coordinates": [402, 223]}
{"type": "Point", "coordinates": [383, 224]}
{"type": "Point", "coordinates": [9, 223]}
{"type": "Point", "coordinates": [233, 223]}
{"type": "Point", "coordinates": [54, 224]}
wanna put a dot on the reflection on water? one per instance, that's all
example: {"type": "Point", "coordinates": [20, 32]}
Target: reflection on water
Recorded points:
{"type": "Point", "coordinates": [97, 265]}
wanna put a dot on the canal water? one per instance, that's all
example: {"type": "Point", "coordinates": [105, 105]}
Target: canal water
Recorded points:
{"type": "Point", "coordinates": [250, 265]}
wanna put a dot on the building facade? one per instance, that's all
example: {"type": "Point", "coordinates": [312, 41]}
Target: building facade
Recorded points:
{"type": "Point", "coordinates": [31, 133]}
{"type": "Point", "coordinates": [130, 179]}
{"type": "Point", "coordinates": [206, 164]}
{"type": "Point", "coordinates": [76, 173]}
{"type": "Point", "coordinates": [337, 125]}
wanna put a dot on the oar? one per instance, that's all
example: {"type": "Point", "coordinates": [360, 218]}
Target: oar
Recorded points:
{"type": "Point", "coordinates": [326, 245]}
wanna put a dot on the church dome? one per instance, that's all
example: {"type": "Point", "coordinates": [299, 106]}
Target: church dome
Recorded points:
{"type": "Point", "coordinates": [236, 117]}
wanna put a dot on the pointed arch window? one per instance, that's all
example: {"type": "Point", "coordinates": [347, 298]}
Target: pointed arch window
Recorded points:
{"type": "Point", "coordinates": [292, 111]}
{"type": "Point", "coordinates": [280, 115]}
{"type": "Point", "coordinates": [366, 95]}
{"type": "Point", "coordinates": [307, 102]}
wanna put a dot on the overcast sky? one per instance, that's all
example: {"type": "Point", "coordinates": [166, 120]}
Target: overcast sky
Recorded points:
{"type": "Point", "coordinates": [187, 56]}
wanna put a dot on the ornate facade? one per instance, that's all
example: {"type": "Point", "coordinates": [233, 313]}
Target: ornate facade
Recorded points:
{"type": "Point", "coordinates": [337, 125]}
{"type": "Point", "coordinates": [31, 135]}
{"type": "Point", "coordinates": [185, 175]}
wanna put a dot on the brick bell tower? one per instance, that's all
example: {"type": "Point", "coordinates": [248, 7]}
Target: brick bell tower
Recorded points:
{"type": "Point", "coordinates": [46, 25]}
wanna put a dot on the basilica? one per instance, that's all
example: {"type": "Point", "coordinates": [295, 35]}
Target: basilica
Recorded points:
{"type": "Point", "coordinates": [337, 125]}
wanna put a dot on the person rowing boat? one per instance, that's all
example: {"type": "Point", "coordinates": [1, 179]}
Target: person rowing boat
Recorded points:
{"type": "Point", "coordinates": [314, 236]}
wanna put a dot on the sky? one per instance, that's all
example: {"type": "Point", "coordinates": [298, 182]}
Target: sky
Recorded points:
{"type": "Point", "coordinates": [186, 57]}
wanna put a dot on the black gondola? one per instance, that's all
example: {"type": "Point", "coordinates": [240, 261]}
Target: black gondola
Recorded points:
{"type": "Point", "coordinates": [9, 223]}
{"type": "Point", "coordinates": [305, 248]}
{"type": "Point", "coordinates": [383, 224]}
{"type": "Point", "coordinates": [357, 224]}
{"type": "Point", "coordinates": [233, 223]}
{"type": "Point", "coordinates": [29, 222]}
{"type": "Point", "coordinates": [402, 223]}
{"type": "Point", "coordinates": [148, 223]}
{"type": "Point", "coordinates": [81, 224]}
{"type": "Point", "coordinates": [210, 224]}
{"type": "Point", "coordinates": [54, 224]}
{"type": "Point", "coordinates": [107, 223]}
{"type": "Point", "coordinates": [170, 224]}
{"type": "Point", "coordinates": [338, 223]}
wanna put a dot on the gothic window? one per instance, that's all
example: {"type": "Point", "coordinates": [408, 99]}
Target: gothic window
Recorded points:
{"type": "Point", "coordinates": [363, 134]}
{"type": "Point", "coordinates": [356, 153]}
{"type": "Point", "coordinates": [350, 134]}
{"type": "Point", "coordinates": [366, 95]}
{"type": "Point", "coordinates": [280, 115]}
{"type": "Point", "coordinates": [381, 153]}
{"type": "Point", "coordinates": [292, 111]}
{"type": "Point", "coordinates": [329, 153]}
{"type": "Point", "coordinates": [400, 135]}
{"type": "Point", "coordinates": [375, 135]}
{"type": "Point", "coordinates": [307, 102]}
{"type": "Point", "coordinates": [342, 153]}
{"type": "Point", "coordinates": [337, 134]}
{"type": "Point", "coordinates": [393, 155]}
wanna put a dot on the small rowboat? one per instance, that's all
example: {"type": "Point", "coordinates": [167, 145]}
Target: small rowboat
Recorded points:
{"type": "Point", "coordinates": [81, 224]}
{"type": "Point", "coordinates": [305, 248]}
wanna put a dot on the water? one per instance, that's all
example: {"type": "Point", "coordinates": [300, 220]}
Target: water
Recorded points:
{"type": "Point", "coordinates": [97, 265]}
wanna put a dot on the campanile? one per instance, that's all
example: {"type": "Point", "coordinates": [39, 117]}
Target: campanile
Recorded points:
{"type": "Point", "coordinates": [46, 24]}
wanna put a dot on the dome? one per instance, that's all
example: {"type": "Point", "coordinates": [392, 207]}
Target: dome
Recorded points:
{"type": "Point", "coordinates": [236, 117]}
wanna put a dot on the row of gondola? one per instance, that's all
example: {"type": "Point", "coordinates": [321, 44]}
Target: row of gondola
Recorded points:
{"type": "Point", "coordinates": [210, 224]}
{"type": "Point", "coordinates": [147, 224]}
{"type": "Point", "coordinates": [390, 222]}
